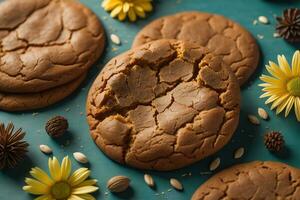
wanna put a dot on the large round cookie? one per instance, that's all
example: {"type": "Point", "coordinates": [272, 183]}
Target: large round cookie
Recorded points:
{"type": "Point", "coordinates": [163, 105]}
{"type": "Point", "coordinates": [255, 180]}
{"type": "Point", "coordinates": [46, 43]}
{"type": "Point", "coordinates": [29, 101]}
{"type": "Point", "coordinates": [221, 35]}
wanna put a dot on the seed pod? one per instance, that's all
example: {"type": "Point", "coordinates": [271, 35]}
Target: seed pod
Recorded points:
{"type": "Point", "coordinates": [80, 157]}
{"type": "Point", "coordinates": [45, 149]}
{"type": "Point", "coordinates": [57, 126]}
{"type": "Point", "coordinates": [149, 180]}
{"type": "Point", "coordinates": [176, 184]}
{"type": "Point", "coordinates": [118, 183]}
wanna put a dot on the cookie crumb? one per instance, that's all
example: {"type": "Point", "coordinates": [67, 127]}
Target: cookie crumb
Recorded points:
{"type": "Point", "coordinates": [259, 36]}
{"type": "Point", "coordinates": [276, 35]}
{"type": "Point", "coordinates": [35, 114]}
{"type": "Point", "coordinates": [254, 22]}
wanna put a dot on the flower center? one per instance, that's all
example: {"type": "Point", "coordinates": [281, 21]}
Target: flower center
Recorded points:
{"type": "Point", "coordinates": [61, 190]}
{"type": "Point", "coordinates": [293, 86]}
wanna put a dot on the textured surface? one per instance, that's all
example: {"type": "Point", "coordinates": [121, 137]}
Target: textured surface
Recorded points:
{"type": "Point", "coordinates": [163, 105]}
{"type": "Point", "coordinates": [46, 43]}
{"type": "Point", "coordinates": [102, 168]}
{"type": "Point", "coordinates": [223, 36]}
{"type": "Point", "coordinates": [256, 180]}
{"type": "Point", "coordinates": [29, 101]}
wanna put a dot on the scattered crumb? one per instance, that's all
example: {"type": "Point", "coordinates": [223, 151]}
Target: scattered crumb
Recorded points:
{"type": "Point", "coordinates": [81, 113]}
{"type": "Point", "coordinates": [276, 35]}
{"type": "Point", "coordinates": [114, 49]}
{"type": "Point", "coordinates": [259, 36]}
{"type": "Point", "coordinates": [35, 114]}
{"type": "Point", "coordinates": [67, 109]}
{"type": "Point", "coordinates": [205, 173]}
{"type": "Point", "coordinates": [169, 190]}
{"type": "Point", "coordinates": [254, 22]}
{"type": "Point", "coordinates": [263, 20]}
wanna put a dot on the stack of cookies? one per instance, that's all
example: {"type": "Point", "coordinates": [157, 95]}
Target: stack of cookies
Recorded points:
{"type": "Point", "coordinates": [46, 50]}
{"type": "Point", "coordinates": [174, 98]}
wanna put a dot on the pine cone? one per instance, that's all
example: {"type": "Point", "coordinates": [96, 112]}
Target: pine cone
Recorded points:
{"type": "Point", "coordinates": [273, 141]}
{"type": "Point", "coordinates": [12, 148]}
{"type": "Point", "coordinates": [288, 25]}
{"type": "Point", "coordinates": [57, 126]}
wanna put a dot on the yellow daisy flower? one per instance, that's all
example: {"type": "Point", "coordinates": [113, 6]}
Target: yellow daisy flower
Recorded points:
{"type": "Point", "coordinates": [132, 8]}
{"type": "Point", "coordinates": [61, 185]}
{"type": "Point", "coordinates": [282, 87]}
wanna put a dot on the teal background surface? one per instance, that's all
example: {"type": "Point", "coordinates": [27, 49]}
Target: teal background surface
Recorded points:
{"type": "Point", "coordinates": [78, 139]}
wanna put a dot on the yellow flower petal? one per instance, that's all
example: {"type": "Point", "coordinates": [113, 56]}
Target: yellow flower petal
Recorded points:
{"type": "Point", "coordinates": [41, 176]}
{"type": "Point", "coordinates": [126, 7]}
{"type": "Point", "coordinates": [296, 63]}
{"type": "Point", "coordinates": [109, 5]}
{"type": "Point", "coordinates": [35, 187]}
{"type": "Point", "coordinates": [66, 168]}
{"type": "Point", "coordinates": [116, 11]}
{"type": "Point", "coordinates": [131, 15]}
{"type": "Point", "coordinates": [279, 101]}
{"type": "Point", "coordinates": [85, 189]}
{"type": "Point", "coordinates": [139, 11]}
{"type": "Point", "coordinates": [79, 176]}
{"type": "Point", "coordinates": [275, 71]}
{"type": "Point", "coordinates": [290, 103]}
{"type": "Point", "coordinates": [87, 182]}
{"type": "Point", "coordinates": [86, 196]}
{"type": "Point", "coordinates": [75, 197]}
{"type": "Point", "coordinates": [297, 108]}
{"type": "Point", "coordinates": [122, 16]}
{"type": "Point", "coordinates": [284, 65]}
{"type": "Point", "coordinates": [270, 79]}
{"type": "Point", "coordinates": [44, 197]}
{"type": "Point", "coordinates": [54, 169]}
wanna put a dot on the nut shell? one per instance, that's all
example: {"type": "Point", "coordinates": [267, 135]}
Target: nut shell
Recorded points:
{"type": "Point", "coordinates": [57, 126]}
{"type": "Point", "coordinates": [118, 183]}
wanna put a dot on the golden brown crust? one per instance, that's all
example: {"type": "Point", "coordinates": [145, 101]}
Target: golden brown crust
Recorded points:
{"type": "Point", "coordinates": [255, 180]}
{"type": "Point", "coordinates": [46, 43]}
{"type": "Point", "coordinates": [163, 105]}
{"type": "Point", "coordinates": [30, 101]}
{"type": "Point", "coordinates": [221, 35]}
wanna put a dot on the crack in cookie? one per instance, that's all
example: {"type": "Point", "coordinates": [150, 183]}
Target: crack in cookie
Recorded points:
{"type": "Point", "coordinates": [163, 105]}
{"type": "Point", "coordinates": [221, 35]}
{"type": "Point", "coordinates": [46, 43]}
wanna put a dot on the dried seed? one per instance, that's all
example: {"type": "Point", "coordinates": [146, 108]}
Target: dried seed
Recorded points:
{"type": "Point", "coordinates": [45, 149]}
{"type": "Point", "coordinates": [149, 180]}
{"type": "Point", "coordinates": [263, 19]}
{"type": "Point", "coordinates": [115, 39]}
{"type": "Point", "coordinates": [118, 183]}
{"type": "Point", "coordinates": [254, 22]}
{"type": "Point", "coordinates": [214, 164]}
{"type": "Point", "coordinates": [276, 35]}
{"type": "Point", "coordinates": [259, 36]}
{"type": "Point", "coordinates": [263, 113]}
{"type": "Point", "coordinates": [239, 153]}
{"type": "Point", "coordinates": [176, 184]}
{"type": "Point", "coordinates": [80, 157]}
{"type": "Point", "coordinates": [253, 119]}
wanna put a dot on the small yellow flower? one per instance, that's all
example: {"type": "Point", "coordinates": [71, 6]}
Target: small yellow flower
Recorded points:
{"type": "Point", "coordinates": [132, 8]}
{"type": "Point", "coordinates": [283, 86]}
{"type": "Point", "coordinates": [61, 185]}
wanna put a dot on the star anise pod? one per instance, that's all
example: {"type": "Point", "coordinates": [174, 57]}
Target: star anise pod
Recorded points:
{"type": "Point", "coordinates": [12, 146]}
{"type": "Point", "coordinates": [288, 26]}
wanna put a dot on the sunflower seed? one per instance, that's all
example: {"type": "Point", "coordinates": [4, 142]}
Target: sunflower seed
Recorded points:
{"type": "Point", "coordinates": [253, 119]}
{"type": "Point", "coordinates": [118, 183]}
{"type": "Point", "coordinates": [80, 157]}
{"type": "Point", "coordinates": [149, 180]}
{"type": "Point", "coordinates": [45, 149]}
{"type": "Point", "coordinates": [176, 184]}
{"type": "Point", "coordinates": [115, 39]}
{"type": "Point", "coordinates": [239, 153]}
{"type": "Point", "coordinates": [263, 19]}
{"type": "Point", "coordinates": [214, 164]}
{"type": "Point", "coordinates": [262, 113]}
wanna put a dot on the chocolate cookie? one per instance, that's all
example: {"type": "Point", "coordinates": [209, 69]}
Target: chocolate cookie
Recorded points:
{"type": "Point", "coordinates": [46, 43]}
{"type": "Point", "coordinates": [221, 35]}
{"type": "Point", "coordinates": [29, 101]}
{"type": "Point", "coordinates": [255, 180]}
{"type": "Point", "coordinates": [163, 105]}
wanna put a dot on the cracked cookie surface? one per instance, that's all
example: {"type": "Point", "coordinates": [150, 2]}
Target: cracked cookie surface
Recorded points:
{"type": "Point", "coordinates": [29, 101]}
{"type": "Point", "coordinates": [46, 43]}
{"type": "Point", "coordinates": [163, 105]}
{"type": "Point", "coordinates": [221, 35]}
{"type": "Point", "coordinates": [255, 180]}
